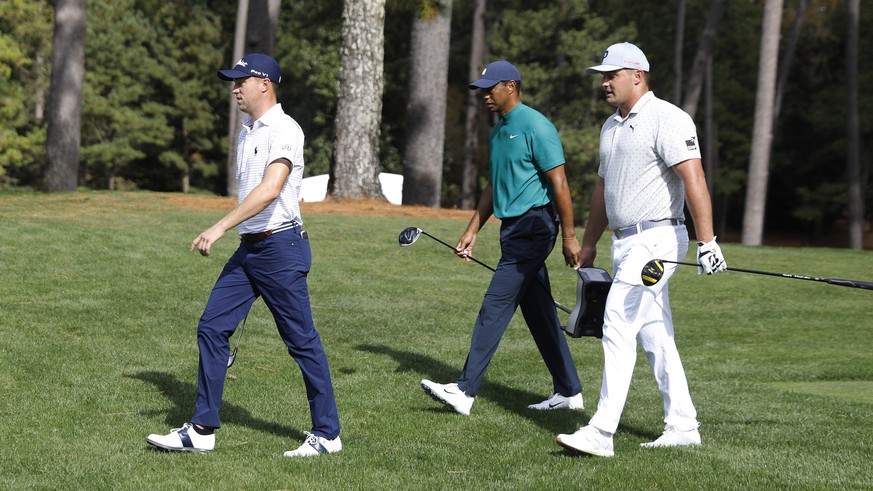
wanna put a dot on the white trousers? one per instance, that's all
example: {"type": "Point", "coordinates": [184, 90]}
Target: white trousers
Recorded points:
{"type": "Point", "coordinates": [635, 312]}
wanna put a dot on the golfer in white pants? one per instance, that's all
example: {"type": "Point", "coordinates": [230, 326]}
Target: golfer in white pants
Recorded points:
{"type": "Point", "coordinates": [650, 167]}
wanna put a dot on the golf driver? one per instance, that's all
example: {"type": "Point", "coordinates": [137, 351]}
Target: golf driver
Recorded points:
{"type": "Point", "coordinates": [411, 234]}
{"type": "Point", "coordinates": [232, 357]}
{"type": "Point", "coordinates": [654, 270]}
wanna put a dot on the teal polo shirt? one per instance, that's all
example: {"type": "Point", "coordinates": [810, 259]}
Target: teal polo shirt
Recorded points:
{"type": "Point", "coordinates": [524, 146]}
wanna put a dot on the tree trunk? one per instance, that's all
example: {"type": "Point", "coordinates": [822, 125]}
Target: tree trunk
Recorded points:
{"type": "Point", "coordinates": [426, 108]}
{"type": "Point", "coordinates": [704, 51]}
{"type": "Point", "coordinates": [65, 96]}
{"type": "Point", "coordinates": [469, 181]}
{"type": "Point", "coordinates": [678, 51]}
{"type": "Point", "coordinates": [709, 147]}
{"type": "Point", "coordinates": [762, 134]}
{"type": "Point", "coordinates": [261, 27]}
{"type": "Point", "coordinates": [355, 170]}
{"type": "Point", "coordinates": [788, 57]}
{"type": "Point", "coordinates": [256, 23]}
{"type": "Point", "coordinates": [853, 138]}
{"type": "Point", "coordinates": [39, 96]}
{"type": "Point", "coordinates": [235, 116]}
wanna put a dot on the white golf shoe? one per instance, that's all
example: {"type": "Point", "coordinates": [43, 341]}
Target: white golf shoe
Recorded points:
{"type": "Point", "coordinates": [183, 439]}
{"type": "Point", "coordinates": [674, 437]}
{"type": "Point", "coordinates": [589, 440]}
{"type": "Point", "coordinates": [316, 445]}
{"type": "Point", "coordinates": [558, 401]}
{"type": "Point", "coordinates": [450, 395]}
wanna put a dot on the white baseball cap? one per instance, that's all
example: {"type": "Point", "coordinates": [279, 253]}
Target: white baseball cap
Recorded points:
{"type": "Point", "coordinates": [621, 55]}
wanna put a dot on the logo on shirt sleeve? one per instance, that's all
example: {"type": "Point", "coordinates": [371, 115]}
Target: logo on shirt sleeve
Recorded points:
{"type": "Point", "coordinates": [691, 143]}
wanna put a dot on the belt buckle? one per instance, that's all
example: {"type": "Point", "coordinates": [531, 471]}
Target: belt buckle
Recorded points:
{"type": "Point", "coordinates": [630, 230]}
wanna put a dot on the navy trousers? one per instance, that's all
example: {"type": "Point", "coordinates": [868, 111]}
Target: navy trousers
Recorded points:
{"type": "Point", "coordinates": [275, 269]}
{"type": "Point", "coordinates": [521, 279]}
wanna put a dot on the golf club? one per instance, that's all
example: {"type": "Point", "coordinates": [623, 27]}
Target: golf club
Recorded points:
{"type": "Point", "coordinates": [654, 270]}
{"type": "Point", "coordinates": [232, 357]}
{"type": "Point", "coordinates": [411, 234]}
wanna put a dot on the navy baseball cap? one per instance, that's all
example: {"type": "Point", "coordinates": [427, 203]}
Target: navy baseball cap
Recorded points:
{"type": "Point", "coordinates": [494, 73]}
{"type": "Point", "coordinates": [253, 65]}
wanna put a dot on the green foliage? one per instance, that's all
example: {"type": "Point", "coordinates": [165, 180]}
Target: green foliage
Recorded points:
{"type": "Point", "coordinates": [98, 350]}
{"type": "Point", "coordinates": [154, 112]}
{"type": "Point", "coordinates": [149, 89]}
{"type": "Point", "coordinates": [811, 170]}
{"type": "Point", "coordinates": [25, 44]}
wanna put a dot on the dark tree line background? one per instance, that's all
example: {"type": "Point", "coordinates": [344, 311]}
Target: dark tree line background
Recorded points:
{"type": "Point", "coordinates": [154, 116]}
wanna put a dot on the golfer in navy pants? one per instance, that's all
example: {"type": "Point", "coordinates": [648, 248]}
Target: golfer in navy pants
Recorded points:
{"type": "Point", "coordinates": [528, 192]}
{"type": "Point", "coordinates": [272, 261]}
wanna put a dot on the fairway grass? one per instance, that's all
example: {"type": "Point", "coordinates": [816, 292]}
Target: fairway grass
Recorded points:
{"type": "Point", "coordinates": [100, 298]}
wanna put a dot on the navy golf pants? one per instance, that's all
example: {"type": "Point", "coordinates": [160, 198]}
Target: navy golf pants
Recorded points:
{"type": "Point", "coordinates": [521, 279]}
{"type": "Point", "coordinates": [275, 269]}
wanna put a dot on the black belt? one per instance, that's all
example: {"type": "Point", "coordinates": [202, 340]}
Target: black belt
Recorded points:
{"type": "Point", "coordinates": [625, 232]}
{"type": "Point", "coordinates": [250, 238]}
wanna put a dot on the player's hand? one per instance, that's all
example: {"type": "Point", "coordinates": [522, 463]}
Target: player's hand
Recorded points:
{"type": "Point", "coordinates": [587, 255]}
{"type": "Point", "coordinates": [710, 260]}
{"type": "Point", "coordinates": [571, 251]}
{"type": "Point", "coordinates": [464, 248]}
{"type": "Point", "coordinates": [203, 242]}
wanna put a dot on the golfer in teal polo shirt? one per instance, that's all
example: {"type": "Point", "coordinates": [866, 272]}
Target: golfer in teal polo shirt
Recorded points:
{"type": "Point", "coordinates": [528, 193]}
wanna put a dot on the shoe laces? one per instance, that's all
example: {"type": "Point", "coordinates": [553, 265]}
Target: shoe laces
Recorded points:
{"type": "Point", "coordinates": [313, 441]}
{"type": "Point", "coordinates": [310, 438]}
{"type": "Point", "coordinates": [184, 427]}
{"type": "Point", "coordinates": [673, 429]}
{"type": "Point", "coordinates": [595, 434]}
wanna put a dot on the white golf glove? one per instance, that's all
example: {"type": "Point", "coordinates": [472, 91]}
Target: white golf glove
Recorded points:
{"type": "Point", "coordinates": [710, 260]}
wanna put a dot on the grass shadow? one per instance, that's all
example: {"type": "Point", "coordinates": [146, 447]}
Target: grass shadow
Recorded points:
{"type": "Point", "coordinates": [182, 395]}
{"type": "Point", "coordinates": [509, 398]}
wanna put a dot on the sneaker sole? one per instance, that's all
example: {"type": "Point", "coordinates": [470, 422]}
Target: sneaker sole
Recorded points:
{"type": "Point", "coordinates": [294, 455]}
{"type": "Point", "coordinates": [176, 449]}
{"type": "Point", "coordinates": [429, 391]}
{"type": "Point", "coordinates": [585, 452]}
{"type": "Point", "coordinates": [673, 445]}
{"type": "Point", "coordinates": [555, 408]}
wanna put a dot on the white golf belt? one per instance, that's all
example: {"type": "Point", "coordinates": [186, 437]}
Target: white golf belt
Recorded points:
{"type": "Point", "coordinates": [626, 232]}
{"type": "Point", "coordinates": [289, 225]}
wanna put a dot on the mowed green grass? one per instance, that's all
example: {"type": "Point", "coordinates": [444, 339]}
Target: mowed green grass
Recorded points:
{"type": "Point", "coordinates": [100, 298]}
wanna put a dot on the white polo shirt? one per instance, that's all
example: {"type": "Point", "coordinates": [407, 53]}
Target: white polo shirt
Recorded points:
{"type": "Point", "coordinates": [636, 156]}
{"type": "Point", "coordinates": [275, 135]}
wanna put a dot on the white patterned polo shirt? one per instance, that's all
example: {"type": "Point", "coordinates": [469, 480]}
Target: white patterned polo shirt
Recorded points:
{"type": "Point", "coordinates": [636, 156]}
